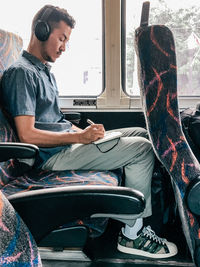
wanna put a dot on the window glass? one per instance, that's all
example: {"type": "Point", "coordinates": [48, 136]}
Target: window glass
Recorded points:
{"type": "Point", "coordinates": [79, 70]}
{"type": "Point", "coordinates": [183, 18]}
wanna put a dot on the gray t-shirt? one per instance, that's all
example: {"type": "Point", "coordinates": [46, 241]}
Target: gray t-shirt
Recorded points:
{"type": "Point", "coordinates": [29, 88]}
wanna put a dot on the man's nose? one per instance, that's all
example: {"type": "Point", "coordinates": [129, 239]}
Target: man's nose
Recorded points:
{"type": "Point", "coordinates": [63, 47]}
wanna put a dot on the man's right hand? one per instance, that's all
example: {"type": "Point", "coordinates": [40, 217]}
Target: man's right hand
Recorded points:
{"type": "Point", "coordinates": [92, 133]}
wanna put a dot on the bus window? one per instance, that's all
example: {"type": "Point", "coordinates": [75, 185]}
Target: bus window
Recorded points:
{"type": "Point", "coordinates": [79, 72]}
{"type": "Point", "coordinates": [183, 20]}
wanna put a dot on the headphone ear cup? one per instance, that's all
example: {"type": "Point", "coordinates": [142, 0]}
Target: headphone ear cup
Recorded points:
{"type": "Point", "coordinates": [42, 31]}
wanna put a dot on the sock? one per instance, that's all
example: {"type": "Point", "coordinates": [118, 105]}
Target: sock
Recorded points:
{"type": "Point", "coordinates": [131, 231]}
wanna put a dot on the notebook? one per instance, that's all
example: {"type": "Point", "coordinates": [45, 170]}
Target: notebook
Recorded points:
{"type": "Point", "coordinates": [107, 137]}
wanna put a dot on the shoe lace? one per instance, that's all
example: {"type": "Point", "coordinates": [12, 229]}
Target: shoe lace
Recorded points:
{"type": "Point", "coordinates": [147, 231]}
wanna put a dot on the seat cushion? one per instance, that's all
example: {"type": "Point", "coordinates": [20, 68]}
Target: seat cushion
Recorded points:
{"type": "Point", "coordinates": [39, 179]}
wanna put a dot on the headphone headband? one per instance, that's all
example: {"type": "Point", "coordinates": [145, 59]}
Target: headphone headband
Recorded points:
{"type": "Point", "coordinates": [46, 14]}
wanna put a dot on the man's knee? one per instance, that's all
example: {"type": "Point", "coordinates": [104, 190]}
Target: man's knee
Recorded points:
{"type": "Point", "coordinates": [143, 132]}
{"type": "Point", "coordinates": [139, 131]}
{"type": "Point", "coordinates": [144, 144]}
{"type": "Point", "coordinates": [146, 150]}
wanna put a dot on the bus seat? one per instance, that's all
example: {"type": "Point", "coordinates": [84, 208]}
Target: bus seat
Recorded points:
{"type": "Point", "coordinates": [57, 205]}
{"type": "Point", "coordinates": [157, 69]}
{"type": "Point", "coordinates": [18, 247]}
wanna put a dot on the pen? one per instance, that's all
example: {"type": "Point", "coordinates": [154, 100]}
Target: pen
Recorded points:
{"type": "Point", "coordinates": [90, 122]}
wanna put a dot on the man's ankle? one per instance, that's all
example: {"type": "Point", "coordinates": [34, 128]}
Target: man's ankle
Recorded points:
{"type": "Point", "coordinates": [131, 232]}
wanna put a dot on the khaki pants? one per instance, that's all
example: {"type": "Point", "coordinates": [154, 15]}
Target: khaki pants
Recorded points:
{"type": "Point", "coordinates": [133, 152]}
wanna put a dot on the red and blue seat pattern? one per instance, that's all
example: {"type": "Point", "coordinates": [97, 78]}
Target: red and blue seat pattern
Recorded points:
{"type": "Point", "coordinates": [158, 82]}
{"type": "Point", "coordinates": [17, 246]}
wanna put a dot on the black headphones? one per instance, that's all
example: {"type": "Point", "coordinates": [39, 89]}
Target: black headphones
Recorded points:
{"type": "Point", "coordinates": [42, 28]}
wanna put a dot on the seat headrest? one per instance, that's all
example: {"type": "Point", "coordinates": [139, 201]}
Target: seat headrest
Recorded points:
{"type": "Point", "coordinates": [10, 47]}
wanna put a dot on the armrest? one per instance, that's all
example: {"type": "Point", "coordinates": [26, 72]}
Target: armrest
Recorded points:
{"type": "Point", "coordinates": [45, 210]}
{"type": "Point", "coordinates": [13, 150]}
{"type": "Point", "coordinates": [73, 117]}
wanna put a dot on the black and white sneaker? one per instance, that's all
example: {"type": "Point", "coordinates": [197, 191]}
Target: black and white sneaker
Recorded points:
{"type": "Point", "coordinates": [147, 244]}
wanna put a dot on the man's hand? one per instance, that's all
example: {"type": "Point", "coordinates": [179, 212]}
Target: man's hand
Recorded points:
{"type": "Point", "coordinates": [92, 133]}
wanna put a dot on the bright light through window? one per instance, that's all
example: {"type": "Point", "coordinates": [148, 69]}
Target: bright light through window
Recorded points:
{"type": "Point", "coordinates": [79, 70]}
{"type": "Point", "coordinates": [182, 17]}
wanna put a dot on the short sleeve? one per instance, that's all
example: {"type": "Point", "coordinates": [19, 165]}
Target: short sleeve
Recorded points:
{"type": "Point", "coordinates": [19, 92]}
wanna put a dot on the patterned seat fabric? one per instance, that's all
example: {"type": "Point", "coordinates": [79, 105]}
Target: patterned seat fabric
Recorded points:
{"type": "Point", "coordinates": [10, 47]}
{"type": "Point", "coordinates": [17, 247]}
{"type": "Point", "coordinates": [156, 52]}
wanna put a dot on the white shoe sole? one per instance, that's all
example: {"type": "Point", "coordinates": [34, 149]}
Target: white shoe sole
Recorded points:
{"type": "Point", "coordinates": [145, 253]}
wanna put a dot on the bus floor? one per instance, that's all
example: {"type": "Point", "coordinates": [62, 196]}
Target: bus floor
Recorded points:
{"type": "Point", "coordinates": [103, 253]}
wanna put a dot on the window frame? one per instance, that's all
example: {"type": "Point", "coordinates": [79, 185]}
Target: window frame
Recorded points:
{"type": "Point", "coordinates": [135, 102]}
{"type": "Point", "coordinates": [64, 99]}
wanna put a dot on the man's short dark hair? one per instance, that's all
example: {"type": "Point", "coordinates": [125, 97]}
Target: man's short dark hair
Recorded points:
{"type": "Point", "coordinates": [57, 15]}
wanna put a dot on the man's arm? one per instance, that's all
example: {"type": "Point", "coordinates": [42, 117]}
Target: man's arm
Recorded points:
{"type": "Point", "coordinates": [77, 129]}
{"type": "Point", "coordinates": [27, 133]}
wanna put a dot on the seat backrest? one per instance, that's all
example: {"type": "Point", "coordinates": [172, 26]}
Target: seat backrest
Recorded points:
{"type": "Point", "coordinates": [156, 53]}
{"type": "Point", "coordinates": [18, 247]}
{"type": "Point", "coordinates": [7, 168]}
{"type": "Point", "coordinates": [10, 47]}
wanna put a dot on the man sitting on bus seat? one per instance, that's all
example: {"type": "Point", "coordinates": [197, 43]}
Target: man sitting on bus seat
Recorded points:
{"type": "Point", "coordinates": [30, 96]}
